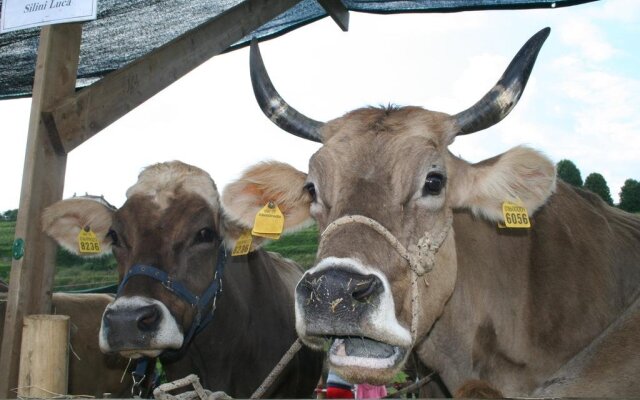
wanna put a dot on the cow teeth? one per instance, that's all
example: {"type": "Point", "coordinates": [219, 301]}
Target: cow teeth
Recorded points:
{"type": "Point", "coordinates": [338, 347]}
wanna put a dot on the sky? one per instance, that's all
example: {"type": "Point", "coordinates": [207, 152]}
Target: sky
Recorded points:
{"type": "Point", "coordinates": [582, 102]}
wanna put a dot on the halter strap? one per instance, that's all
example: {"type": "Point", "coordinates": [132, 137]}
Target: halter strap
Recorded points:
{"type": "Point", "coordinates": [421, 256]}
{"type": "Point", "coordinates": [201, 303]}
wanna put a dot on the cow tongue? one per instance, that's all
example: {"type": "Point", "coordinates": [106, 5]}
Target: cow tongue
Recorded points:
{"type": "Point", "coordinates": [362, 347]}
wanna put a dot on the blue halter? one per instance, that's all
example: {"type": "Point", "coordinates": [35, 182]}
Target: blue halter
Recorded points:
{"type": "Point", "coordinates": [200, 303]}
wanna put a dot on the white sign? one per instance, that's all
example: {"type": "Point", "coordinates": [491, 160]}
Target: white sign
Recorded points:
{"type": "Point", "coordinates": [22, 14]}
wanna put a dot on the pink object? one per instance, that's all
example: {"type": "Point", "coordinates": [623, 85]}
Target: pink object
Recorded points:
{"type": "Point", "coordinates": [366, 391]}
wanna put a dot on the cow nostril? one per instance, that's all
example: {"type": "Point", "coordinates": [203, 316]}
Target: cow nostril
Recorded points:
{"type": "Point", "coordinates": [149, 319]}
{"type": "Point", "coordinates": [365, 289]}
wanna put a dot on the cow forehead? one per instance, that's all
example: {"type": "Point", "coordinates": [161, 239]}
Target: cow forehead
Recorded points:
{"type": "Point", "coordinates": [405, 121]}
{"type": "Point", "coordinates": [392, 149]}
{"type": "Point", "coordinates": [165, 181]}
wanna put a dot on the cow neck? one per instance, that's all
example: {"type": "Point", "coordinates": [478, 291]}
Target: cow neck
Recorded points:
{"type": "Point", "coordinates": [420, 256]}
{"type": "Point", "coordinates": [205, 304]}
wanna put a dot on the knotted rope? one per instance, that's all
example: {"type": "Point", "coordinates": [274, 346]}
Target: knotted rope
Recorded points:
{"type": "Point", "coordinates": [421, 256]}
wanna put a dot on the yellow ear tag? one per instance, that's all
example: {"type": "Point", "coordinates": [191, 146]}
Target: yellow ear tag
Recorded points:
{"type": "Point", "coordinates": [243, 244]}
{"type": "Point", "coordinates": [269, 222]}
{"type": "Point", "coordinates": [515, 216]}
{"type": "Point", "coordinates": [88, 242]}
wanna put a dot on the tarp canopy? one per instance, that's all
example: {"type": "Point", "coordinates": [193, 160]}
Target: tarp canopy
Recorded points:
{"type": "Point", "coordinates": [127, 30]}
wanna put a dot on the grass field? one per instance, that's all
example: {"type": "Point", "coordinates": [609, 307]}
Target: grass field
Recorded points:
{"type": "Point", "coordinates": [78, 273]}
{"type": "Point", "coordinates": [6, 241]}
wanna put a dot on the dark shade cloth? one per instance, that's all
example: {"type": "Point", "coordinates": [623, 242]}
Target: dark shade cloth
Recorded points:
{"type": "Point", "coordinates": [127, 30]}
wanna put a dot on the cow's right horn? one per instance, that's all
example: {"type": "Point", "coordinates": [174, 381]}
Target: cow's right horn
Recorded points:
{"type": "Point", "coordinates": [500, 100]}
{"type": "Point", "coordinates": [274, 106]}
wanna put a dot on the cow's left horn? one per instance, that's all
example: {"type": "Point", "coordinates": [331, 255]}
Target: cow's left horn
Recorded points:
{"type": "Point", "coordinates": [274, 106]}
{"type": "Point", "coordinates": [501, 99]}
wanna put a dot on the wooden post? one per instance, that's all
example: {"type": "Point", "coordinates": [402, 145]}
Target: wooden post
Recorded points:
{"type": "Point", "coordinates": [44, 356]}
{"type": "Point", "coordinates": [32, 268]}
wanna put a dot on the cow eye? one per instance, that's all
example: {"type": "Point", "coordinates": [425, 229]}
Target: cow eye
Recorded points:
{"type": "Point", "coordinates": [205, 235]}
{"type": "Point", "coordinates": [433, 184]}
{"type": "Point", "coordinates": [311, 188]}
{"type": "Point", "coordinates": [115, 241]}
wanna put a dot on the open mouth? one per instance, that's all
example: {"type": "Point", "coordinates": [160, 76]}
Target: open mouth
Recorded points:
{"type": "Point", "coordinates": [364, 352]}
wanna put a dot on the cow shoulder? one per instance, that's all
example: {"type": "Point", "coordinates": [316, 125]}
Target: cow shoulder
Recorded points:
{"type": "Point", "coordinates": [260, 184]}
{"type": "Point", "coordinates": [64, 220]}
{"type": "Point", "coordinates": [518, 175]}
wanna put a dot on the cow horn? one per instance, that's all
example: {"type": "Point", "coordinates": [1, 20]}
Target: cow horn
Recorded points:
{"type": "Point", "coordinates": [500, 100]}
{"type": "Point", "coordinates": [274, 106]}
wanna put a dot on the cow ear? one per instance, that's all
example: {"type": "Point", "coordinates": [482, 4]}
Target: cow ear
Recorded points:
{"type": "Point", "coordinates": [519, 175]}
{"type": "Point", "coordinates": [64, 220]}
{"type": "Point", "coordinates": [260, 184]}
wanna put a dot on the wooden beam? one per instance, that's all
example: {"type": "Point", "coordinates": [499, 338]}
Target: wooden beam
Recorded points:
{"type": "Point", "coordinates": [93, 108]}
{"type": "Point", "coordinates": [32, 270]}
{"type": "Point", "coordinates": [337, 11]}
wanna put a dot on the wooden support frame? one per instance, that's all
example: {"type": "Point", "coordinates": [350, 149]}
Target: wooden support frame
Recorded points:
{"type": "Point", "coordinates": [62, 119]}
{"type": "Point", "coordinates": [42, 184]}
{"type": "Point", "coordinates": [337, 11]}
{"type": "Point", "coordinates": [92, 109]}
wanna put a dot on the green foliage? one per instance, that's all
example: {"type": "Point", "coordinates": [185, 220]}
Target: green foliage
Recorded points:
{"type": "Point", "coordinates": [630, 196]}
{"type": "Point", "coordinates": [7, 229]}
{"type": "Point", "coordinates": [568, 172]}
{"type": "Point", "coordinates": [9, 215]}
{"type": "Point", "coordinates": [300, 246]}
{"type": "Point", "coordinates": [598, 185]}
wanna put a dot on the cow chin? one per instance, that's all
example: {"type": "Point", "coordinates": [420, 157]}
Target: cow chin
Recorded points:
{"type": "Point", "coordinates": [363, 360]}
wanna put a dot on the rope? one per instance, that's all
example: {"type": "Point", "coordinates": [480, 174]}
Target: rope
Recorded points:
{"type": "Point", "coordinates": [421, 257]}
{"type": "Point", "coordinates": [53, 394]}
{"type": "Point", "coordinates": [412, 388]}
{"type": "Point", "coordinates": [268, 381]}
{"type": "Point", "coordinates": [162, 391]}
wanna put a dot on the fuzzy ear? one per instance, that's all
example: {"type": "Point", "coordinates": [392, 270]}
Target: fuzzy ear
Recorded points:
{"type": "Point", "coordinates": [64, 219]}
{"type": "Point", "coordinates": [264, 182]}
{"type": "Point", "coordinates": [520, 174]}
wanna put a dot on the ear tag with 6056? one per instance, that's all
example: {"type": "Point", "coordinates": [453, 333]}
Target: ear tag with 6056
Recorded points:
{"type": "Point", "coordinates": [515, 216]}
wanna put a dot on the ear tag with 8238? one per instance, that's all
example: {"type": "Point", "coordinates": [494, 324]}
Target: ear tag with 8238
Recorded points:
{"type": "Point", "coordinates": [243, 244]}
{"type": "Point", "coordinates": [88, 242]}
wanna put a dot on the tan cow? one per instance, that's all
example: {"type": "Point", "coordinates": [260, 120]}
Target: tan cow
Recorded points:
{"type": "Point", "coordinates": [411, 257]}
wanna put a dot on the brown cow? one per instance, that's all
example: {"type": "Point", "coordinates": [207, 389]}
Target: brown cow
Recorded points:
{"type": "Point", "coordinates": [411, 257]}
{"type": "Point", "coordinates": [91, 373]}
{"type": "Point", "coordinates": [170, 239]}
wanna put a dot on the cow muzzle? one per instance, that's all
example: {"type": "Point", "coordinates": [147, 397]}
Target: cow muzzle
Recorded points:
{"type": "Point", "coordinates": [138, 326]}
{"type": "Point", "coordinates": [342, 305]}
{"type": "Point", "coordinates": [351, 305]}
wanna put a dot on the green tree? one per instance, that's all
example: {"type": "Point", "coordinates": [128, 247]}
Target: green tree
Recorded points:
{"type": "Point", "coordinates": [9, 215]}
{"type": "Point", "coordinates": [598, 185]}
{"type": "Point", "coordinates": [568, 172]}
{"type": "Point", "coordinates": [630, 196]}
